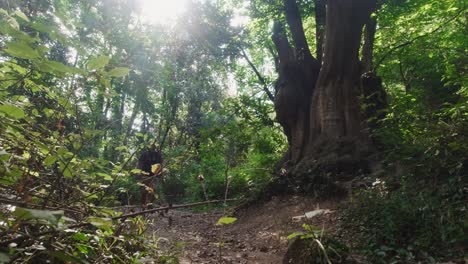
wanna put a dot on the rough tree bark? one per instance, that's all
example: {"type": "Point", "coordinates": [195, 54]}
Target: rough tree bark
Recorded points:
{"type": "Point", "coordinates": [317, 102]}
{"type": "Point", "coordinates": [298, 72]}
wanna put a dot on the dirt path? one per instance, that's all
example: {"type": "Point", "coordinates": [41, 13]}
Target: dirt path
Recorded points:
{"type": "Point", "coordinates": [258, 236]}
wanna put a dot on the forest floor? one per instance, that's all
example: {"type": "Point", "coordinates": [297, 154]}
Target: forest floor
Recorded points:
{"type": "Point", "coordinates": [258, 236]}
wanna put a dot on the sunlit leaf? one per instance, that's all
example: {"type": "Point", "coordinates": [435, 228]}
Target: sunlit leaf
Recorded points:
{"type": "Point", "coordinates": [106, 176]}
{"type": "Point", "coordinates": [119, 72]}
{"type": "Point", "coordinates": [294, 235]}
{"type": "Point", "coordinates": [101, 223]}
{"type": "Point", "coordinates": [120, 148]}
{"type": "Point", "coordinates": [12, 111]}
{"type": "Point", "coordinates": [226, 220]}
{"type": "Point", "coordinates": [98, 62]}
{"type": "Point", "coordinates": [21, 15]}
{"type": "Point", "coordinates": [155, 168]}
{"type": "Point", "coordinates": [50, 160]}
{"type": "Point", "coordinates": [21, 50]}
{"type": "Point", "coordinates": [60, 67]}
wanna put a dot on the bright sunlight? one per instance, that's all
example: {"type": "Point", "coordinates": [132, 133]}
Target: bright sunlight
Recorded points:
{"type": "Point", "coordinates": [161, 11]}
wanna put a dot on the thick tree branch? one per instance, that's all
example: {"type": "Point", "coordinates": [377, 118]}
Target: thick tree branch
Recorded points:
{"type": "Point", "coordinates": [285, 52]}
{"type": "Point", "coordinates": [293, 17]}
{"type": "Point", "coordinates": [259, 76]}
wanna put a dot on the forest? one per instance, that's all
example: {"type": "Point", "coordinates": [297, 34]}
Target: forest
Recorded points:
{"type": "Point", "coordinates": [234, 131]}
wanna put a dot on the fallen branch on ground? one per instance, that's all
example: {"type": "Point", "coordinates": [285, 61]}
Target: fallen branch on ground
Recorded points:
{"type": "Point", "coordinates": [38, 235]}
{"type": "Point", "coordinates": [170, 207]}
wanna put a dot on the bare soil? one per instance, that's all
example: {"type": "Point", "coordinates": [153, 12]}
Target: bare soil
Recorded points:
{"type": "Point", "coordinates": [258, 236]}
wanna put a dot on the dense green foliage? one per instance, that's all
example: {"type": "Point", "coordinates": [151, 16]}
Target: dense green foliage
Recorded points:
{"type": "Point", "coordinates": [85, 86]}
{"type": "Point", "coordinates": [417, 210]}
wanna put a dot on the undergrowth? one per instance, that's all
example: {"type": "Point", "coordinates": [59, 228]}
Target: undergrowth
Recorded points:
{"type": "Point", "coordinates": [408, 224]}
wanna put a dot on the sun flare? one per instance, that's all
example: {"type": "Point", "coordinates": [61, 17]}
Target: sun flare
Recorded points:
{"type": "Point", "coordinates": [161, 11]}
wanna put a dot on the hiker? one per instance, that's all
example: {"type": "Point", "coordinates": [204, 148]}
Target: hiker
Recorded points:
{"type": "Point", "coordinates": [150, 163]}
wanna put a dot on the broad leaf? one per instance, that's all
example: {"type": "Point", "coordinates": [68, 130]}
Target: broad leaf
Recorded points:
{"type": "Point", "coordinates": [21, 15]}
{"type": "Point", "coordinates": [50, 160]}
{"type": "Point", "coordinates": [50, 216]}
{"type": "Point", "coordinates": [21, 50]}
{"type": "Point", "coordinates": [12, 111]}
{"type": "Point", "coordinates": [106, 176]}
{"type": "Point", "coordinates": [60, 67]}
{"type": "Point", "coordinates": [119, 72]}
{"type": "Point", "coordinates": [101, 223]}
{"type": "Point", "coordinates": [98, 62]}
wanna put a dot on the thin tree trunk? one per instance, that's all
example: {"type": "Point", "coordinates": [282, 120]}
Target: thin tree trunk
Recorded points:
{"type": "Point", "coordinates": [135, 111]}
{"type": "Point", "coordinates": [320, 15]}
{"type": "Point", "coordinates": [374, 95]}
{"type": "Point", "coordinates": [368, 46]}
{"type": "Point", "coordinates": [169, 124]}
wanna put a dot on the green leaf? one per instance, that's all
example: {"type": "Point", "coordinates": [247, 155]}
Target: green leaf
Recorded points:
{"type": "Point", "coordinates": [13, 23]}
{"type": "Point", "coordinates": [12, 111]}
{"type": "Point", "coordinates": [98, 62]}
{"type": "Point", "coordinates": [67, 173]}
{"type": "Point", "coordinates": [42, 27]}
{"type": "Point", "coordinates": [226, 220]}
{"type": "Point", "coordinates": [50, 160]}
{"type": "Point", "coordinates": [21, 15]}
{"type": "Point", "coordinates": [76, 145]}
{"type": "Point", "coordinates": [311, 228]}
{"type": "Point", "coordinates": [60, 67]}
{"type": "Point", "coordinates": [106, 176]}
{"type": "Point", "coordinates": [21, 50]}
{"type": "Point", "coordinates": [50, 216]}
{"type": "Point", "coordinates": [83, 248]}
{"type": "Point", "coordinates": [80, 237]}
{"type": "Point", "coordinates": [136, 171]}
{"type": "Point", "coordinates": [121, 148]}
{"type": "Point", "coordinates": [4, 258]}
{"type": "Point", "coordinates": [101, 223]}
{"type": "Point", "coordinates": [294, 235]}
{"type": "Point", "coordinates": [119, 72]}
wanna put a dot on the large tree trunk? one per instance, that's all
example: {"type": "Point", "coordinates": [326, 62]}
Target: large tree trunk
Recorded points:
{"type": "Point", "coordinates": [317, 102]}
{"type": "Point", "coordinates": [298, 72]}
{"type": "Point", "coordinates": [335, 110]}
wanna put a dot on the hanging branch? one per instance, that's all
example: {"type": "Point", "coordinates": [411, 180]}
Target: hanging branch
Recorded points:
{"type": "Point", "coordinates": [259, 76]}
{"type": "Point", "coordinates": [293, 17]}
{"type": "Point", "coordinates": [280, 39]}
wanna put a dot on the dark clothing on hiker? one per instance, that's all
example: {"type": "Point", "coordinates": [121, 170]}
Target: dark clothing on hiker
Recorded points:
{"type": "Point", "coordinates": [148, 164]}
